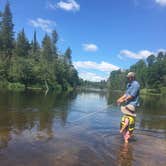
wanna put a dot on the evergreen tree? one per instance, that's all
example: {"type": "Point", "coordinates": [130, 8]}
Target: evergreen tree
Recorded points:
{"type": "Point", "coordinates": [161, 56]}
{"type": "Point", "coordinates": [35, 48]}
{"type": "Point", "coordinates": [22, 44]}
{"type": "Point", "coordinates": [67, 56]}
{"type": "Point", "coordinates": [0, 32]}
{"type": "Point", "coordinates": [73, 78]}
{"type": "Point", "coordinates": [47, 48]}
{"type": "Point", "coordinates": [151, 60]}
{"type": "Point", "coordinates": [35, 44]}
{"type": "Point", "coordinates": [54, 43]}
{"type": "Point", "coordinates": [7, 34]}
{"type": "Point", "coordinates": [44, 68]}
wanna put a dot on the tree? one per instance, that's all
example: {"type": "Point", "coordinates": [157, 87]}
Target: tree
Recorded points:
{"type": "Point", "coordinates": [150, 76]}
{"type": "Point", "coordinates": [47, 48]}
{"type": "Point", "coordinates": [161, 56]}
{"type": "Point", "coordinates": [140, 69]}
{"type": "Point", "coordinates": [67, 56]}
{"type": "Point", "coordinates": [151, 60]}
{"type": "Point", "coordinates": [22, 44]}
{"type": "Point", "coordinates": [35, 44]}
{"type": "Point", "coordinates": [32, 66]}
{"type": "Point", "coordinates": [54, 42]}
{"type": "Point", "coordinates": [73, 78]}
{"type": "Point", "coordinates": [7, 34]}
{"type": "Point", "coordinates": [35, 48]}
{"type": "Point", "coordinates": [117, 80]}
{"type": "Point", "coordinates": [0, 32]}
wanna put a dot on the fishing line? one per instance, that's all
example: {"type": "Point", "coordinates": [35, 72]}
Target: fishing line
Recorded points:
{"type": "Point", "coordinates": [90, 114]}
{"type": "Point", "coordinates": [75, 124]}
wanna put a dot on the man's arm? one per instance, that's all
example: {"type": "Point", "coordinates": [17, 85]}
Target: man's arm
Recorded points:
{"type": "Point", "coordinates": [121, 99]}
{"type": "Point", "coordinates": [124, 98]}
{"type": "Point", "coordinates": [129, 96]}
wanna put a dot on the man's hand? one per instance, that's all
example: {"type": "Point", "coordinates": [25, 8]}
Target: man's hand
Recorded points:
{"type": "Point", "coordinates": [121, 99]}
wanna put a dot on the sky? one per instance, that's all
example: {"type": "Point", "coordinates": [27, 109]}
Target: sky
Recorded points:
{"type": "Point", "coordinates": [104, 35]}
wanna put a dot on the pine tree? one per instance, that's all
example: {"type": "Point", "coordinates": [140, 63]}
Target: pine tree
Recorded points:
{"type": "Point", "coordinates": [0, 32]}
{"type": "Point", "coordinates": [35, 44]}
{"type": "Point", "coordinates": [7, 34]}
{"type": "Point", "coordinates": [22, 44]}
{"type": "Point", "coordinates": [35, 48]}
{"type": "Point", "coordinates": [54, 42]}
{"type": "Point", "coordinates": [151, 60]}
{"type": "Point", "coordinates": [67, 56]}
{"type": "Point", "coordinates": [46, 48]}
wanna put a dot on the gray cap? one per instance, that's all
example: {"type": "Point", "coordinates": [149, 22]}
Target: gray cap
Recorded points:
{"type": "Point", "coordinates": [131, 74]}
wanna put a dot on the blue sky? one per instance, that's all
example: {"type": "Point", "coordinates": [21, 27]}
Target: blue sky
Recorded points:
{"type": "Point", "coordinates": [104, 35]}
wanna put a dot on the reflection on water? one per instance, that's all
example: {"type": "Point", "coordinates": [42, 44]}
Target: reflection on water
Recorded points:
{"type": "Point", "coordinates": [56, 130]}
{"type": "Point", "coordinates": [153, 113]}
{"type": "Point", "coordinates": [125, 155]}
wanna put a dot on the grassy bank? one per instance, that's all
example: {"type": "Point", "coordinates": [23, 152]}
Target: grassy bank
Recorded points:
{"type": "Point", "coordinates": [21, 87]}
{"type": "Point", "coordinates": [12, 86]}
{"type": "Point", "coordinates": [160, 91]}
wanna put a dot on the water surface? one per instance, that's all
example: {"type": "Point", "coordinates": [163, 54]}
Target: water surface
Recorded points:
{"type": "Point", "coordinates": [78, 129]}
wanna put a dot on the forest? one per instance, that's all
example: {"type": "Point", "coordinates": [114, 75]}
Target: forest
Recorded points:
{"type": "Point", "coordinates": [151, 74]}
{"type": "Point", "coordinates": [29, 64]}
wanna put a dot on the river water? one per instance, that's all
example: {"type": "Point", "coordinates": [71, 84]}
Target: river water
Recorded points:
{"type": "Point", "coordinates": [78, 129]}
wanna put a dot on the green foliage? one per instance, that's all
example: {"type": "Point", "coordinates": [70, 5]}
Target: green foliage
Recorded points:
{"type": "Point", "coordinates": [6, 32]}
{"type": "Point", "coordinates": [16, 86]}
{"type": "Point", "coordinates": [140, 69]}
{"type": "Point", "coordinates": [27, 66]}
{"type": "Point", "coordinates": [163, 91]}
{"type": "Point", "coordinates": [67, 56]}
{"type": "Point", "coordinates": [149, 91]}
{"type": "Point", "coordinates": [22, 44]}
{"type": "Point", "coordinates": [54, 39]}
{"type": "Point", "coordinates": [150, 73]}
{"type": "Point", "coordinates": [47, 48]}
{"type": "Point", "coordinates": [117, 80]}
{"type": "Point", "coordinates": [88, 84]}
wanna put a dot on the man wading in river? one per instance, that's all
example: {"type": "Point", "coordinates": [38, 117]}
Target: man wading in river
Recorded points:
{"type": "Point", "coordinates": [130, 98]}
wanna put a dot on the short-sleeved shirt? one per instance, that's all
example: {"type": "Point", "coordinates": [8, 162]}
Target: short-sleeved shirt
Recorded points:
{"type": "Point", "coordinates": [133, 89]}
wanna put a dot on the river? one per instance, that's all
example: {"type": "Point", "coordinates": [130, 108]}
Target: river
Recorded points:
{"type": "Point", "coordinates": [78, 129]}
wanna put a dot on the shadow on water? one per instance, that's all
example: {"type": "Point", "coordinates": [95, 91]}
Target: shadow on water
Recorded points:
{"type": "Point", "coordinates": [36, 130]}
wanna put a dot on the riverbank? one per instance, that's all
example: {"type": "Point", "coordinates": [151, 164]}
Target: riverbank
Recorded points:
{"type": "Point", "coordinates": [161, 91]}
{"type": "Point", "coordinates": [58, 88]}
{"type": "Point", "coordinates": [5, 85]}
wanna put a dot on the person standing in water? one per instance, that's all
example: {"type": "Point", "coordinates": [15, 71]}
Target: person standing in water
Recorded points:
{"type": "Point", "coordinates": [131, 100]}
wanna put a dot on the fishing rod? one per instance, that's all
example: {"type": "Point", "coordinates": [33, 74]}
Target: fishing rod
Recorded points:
{"type": "Point", "coordinates": [90, 114]}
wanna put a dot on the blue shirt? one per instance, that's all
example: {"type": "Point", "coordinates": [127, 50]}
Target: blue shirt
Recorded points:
{"type": "Point", "coordinates": [133, 89]}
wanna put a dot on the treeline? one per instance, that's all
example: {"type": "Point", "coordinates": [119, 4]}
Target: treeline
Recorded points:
{"type": "Point", "coordinates": [151, 74]}
{"type": "Point", "coordinates": [89, 84]}
{"type": "Point", "coordinates": [26, 63]}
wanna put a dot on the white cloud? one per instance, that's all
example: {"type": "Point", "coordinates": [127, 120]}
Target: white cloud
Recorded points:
{"type": "Point", "coordinates": [90, 47]}
{"type": "Point", "coordinates": [140, 55]}
{"type": "Point", "coordinates": [70, 5]}
{"type": "Point", "coordinates": [91, 77]}
{"type": "Point", "coordinates": [51, 6]}
{"type": "Point", "coordinates": [161, 2]}
{"type": "Point", "coordinates": [161, 50]}
{"type": "Point", "coordinates": [103, 66]}
{"type": "Point", "coordinates": [45, 25]}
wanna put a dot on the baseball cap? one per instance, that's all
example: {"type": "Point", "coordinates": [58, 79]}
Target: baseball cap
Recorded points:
{"type": "Point", "coordinates": [131, 74]}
